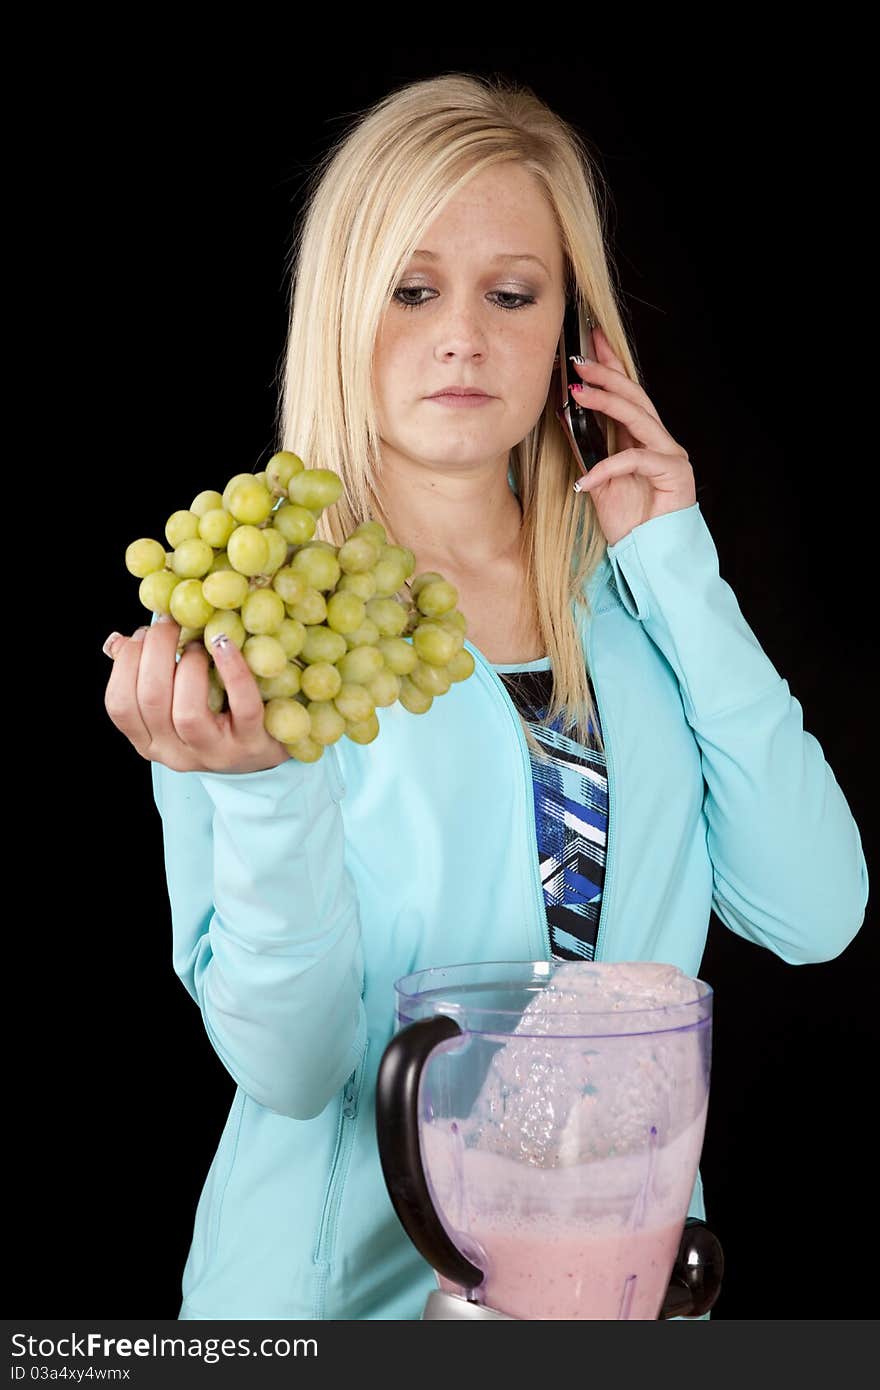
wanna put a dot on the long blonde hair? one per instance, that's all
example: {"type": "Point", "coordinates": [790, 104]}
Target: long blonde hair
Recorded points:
{"type": "Point", "coordinates": [367, 202]}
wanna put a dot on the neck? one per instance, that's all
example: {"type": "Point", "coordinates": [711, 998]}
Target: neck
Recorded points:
{"type": "Point", "coordinates": [469, 520]}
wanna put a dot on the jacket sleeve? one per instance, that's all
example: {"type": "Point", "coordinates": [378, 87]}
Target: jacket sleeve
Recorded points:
{"type": "Point", "coordinates": [788, 865]}
{"type": "Point", "coordinates": [265, 925]}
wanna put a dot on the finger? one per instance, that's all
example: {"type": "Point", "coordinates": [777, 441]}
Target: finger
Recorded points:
{"type": "Point", "coordinates": [603, 374]}
{"type": "Point", "coordinates": [604, 349]}
{"type": "Point", "coordinates": [242, 692]}
{"type": "Point", "coordinates": [120, 697]}
{"type": "Point", "coordinates": [194, 722]}
{"type": "Point", "coordinates": [649, 465]}
{"type": "Point", "coordinates": [155, 682]}
{"type": "Point", "coordinates": [642, 424]}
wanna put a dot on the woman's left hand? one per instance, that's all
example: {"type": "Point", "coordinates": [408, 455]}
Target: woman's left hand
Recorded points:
{"type": "Point", "coordinates": [651, 474]}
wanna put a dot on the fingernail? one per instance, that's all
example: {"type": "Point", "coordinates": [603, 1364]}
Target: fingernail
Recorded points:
{"type": "Point", "coordinates": [164, 618]}
{"type": "Point", "coordinates": [220, 642]}
{"type": "Point", "coordinates": [107, 647]}
{"type": "Point", "coordinates": [138, 634]}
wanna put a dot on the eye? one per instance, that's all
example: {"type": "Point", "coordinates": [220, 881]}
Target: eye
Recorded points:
{"type": "Point", "coordinates": [524, 299]}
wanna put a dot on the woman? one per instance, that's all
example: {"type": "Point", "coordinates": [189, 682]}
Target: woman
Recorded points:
{"type": "Point", "coordinates": [619, 699]}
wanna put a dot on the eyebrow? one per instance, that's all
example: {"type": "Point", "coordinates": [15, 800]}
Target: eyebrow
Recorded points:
{"type": "Point", "coordinates": [501, 256]}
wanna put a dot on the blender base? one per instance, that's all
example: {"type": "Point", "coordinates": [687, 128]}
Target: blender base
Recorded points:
{"type": "Point", "coordinates": [450, 1305]}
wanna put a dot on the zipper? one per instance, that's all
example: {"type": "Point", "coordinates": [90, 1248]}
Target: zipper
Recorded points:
{"type": "Point", "coordinates": [537, 885]}
{"type": "Point", "coordinates": [345, 1129]}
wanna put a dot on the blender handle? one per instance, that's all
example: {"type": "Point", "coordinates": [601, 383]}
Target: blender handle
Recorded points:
{"type": "Point", "coordinates": [696, 1275]}
{"type": "Point", "coordinates": [397, 1132]}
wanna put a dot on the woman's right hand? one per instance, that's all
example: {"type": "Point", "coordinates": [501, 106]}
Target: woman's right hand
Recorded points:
{"type": "Point", "coordinates": [161, 704]}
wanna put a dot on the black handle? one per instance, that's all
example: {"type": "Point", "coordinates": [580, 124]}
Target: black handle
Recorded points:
{"type": "Point", "coordinates": [397, 1131]}
{"type": "Point", "coordinates": [696, 1275]}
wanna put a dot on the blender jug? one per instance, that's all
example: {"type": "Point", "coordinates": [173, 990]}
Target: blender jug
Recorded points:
{"type": "Point", "coordinates": [540, 1125]}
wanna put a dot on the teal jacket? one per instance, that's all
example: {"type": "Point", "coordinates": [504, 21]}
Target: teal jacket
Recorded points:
{"type": "Point", "coordinates": [299, 894]}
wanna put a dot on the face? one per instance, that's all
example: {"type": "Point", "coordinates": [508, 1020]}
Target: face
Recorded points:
{"type": "Point", "coordinates": [467, 317]}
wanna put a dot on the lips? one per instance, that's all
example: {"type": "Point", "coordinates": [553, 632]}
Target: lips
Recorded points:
{"type": "Point", "coordinates": [459, 391]}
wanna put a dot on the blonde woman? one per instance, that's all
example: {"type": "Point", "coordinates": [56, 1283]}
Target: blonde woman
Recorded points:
{"type": "Point", "coordinates": [624, 759]}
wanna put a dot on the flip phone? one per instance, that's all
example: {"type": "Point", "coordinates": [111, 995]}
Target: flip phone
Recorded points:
{"type": "Point", "coordinates": [582, 427]}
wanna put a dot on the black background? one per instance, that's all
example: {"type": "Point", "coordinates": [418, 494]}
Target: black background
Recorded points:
{"type": "Point", "coordinates": [165, 196]}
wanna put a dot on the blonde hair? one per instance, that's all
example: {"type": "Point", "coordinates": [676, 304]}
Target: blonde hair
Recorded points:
{"type": "Point", "coordinates": [368, 201]}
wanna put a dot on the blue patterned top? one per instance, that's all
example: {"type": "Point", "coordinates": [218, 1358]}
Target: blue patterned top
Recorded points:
{"type": "Point", "coordinates": [571, 814]}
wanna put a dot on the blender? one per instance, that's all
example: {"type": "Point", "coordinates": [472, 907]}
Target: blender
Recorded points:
{"type": "Point", "coordinates": [540, 1125]}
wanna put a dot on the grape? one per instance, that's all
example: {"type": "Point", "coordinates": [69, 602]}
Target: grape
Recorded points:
{"type": "Point", "coordinates": [421, 580]}
{"type": "Point", "coordinates": [250, 502]}
{"type": "Point", "coordinates": [355, 702]}
{"type": "Point", "coordinates": [225, 588]}
{"type": "Point", "coordinates": [216, 526]}
{"type": "Point", "coordinates": [263, 611]}
{"type": "Point", "coordinates": [280, 469]}
{"type": "Point", "coordinates": [206, 502]}
{"type": "Point", "coordinates": [328, 724]}
{"type": "Point", "coordinates": [454, 632]}
{"type": "Point", "coordinates": [359, 554]}
{"type": "Point", "coordinates": [437, 597]}
{"type": "Point", "coordinates": [321, 681]}
{"type": "Point", "coordinates": [433, 680]}
{"type": "Point", "coordinates": [322, 644]}
{"type": "Point", "coordinates": [461, 666]}
{"type": "Point", "coordinates": [221, 562]}
{"type": "Point", "coordinates": [181, 526]}
{"type": "Point", "coordinates": [265, 655]}
{"type": "Point", "coordinates": [384, 688]}
{"type": "Point", "coordinates": [228, 621]}
{"type": "Point", "coordinates": [413, 699]}
{"type": "Point", "coordinates": [434, 645]}
{"type": "Point", "coordinates": [389, 616]}
{"type": "Point", "coordinates": [364, 731]}
{"type": "Point", "coordinates": [346, 612]}
{"type": "Point", "coordinates": [311, 608]}
{"type": "Point", "coordinates": [286, 720]}
{"type": "Point", "coordinates": [367, 635]}
{"type": "Point", "coordinates": [291, 635]}
{"type": "Point", "coordinates": [283, 686]}
{"type": "Point", "coordinates": [232, 485]}
{"type": "Point", "coordinates": [405, 558]}
{"type": "Point", "coordinates": [318, 566]}
{"type": "Point", "coordinates": [306, 751]}
{"type": "Point", "coordinates": [315, 488]}
{"type": "Point", "coordinates": [144, 557]}
{"type": "Point", "coordinates": [296, 524]}
{"type": "Point", "coordinates": [360, 665]}
{"type": "Point", "coordinates": [291, 586]}
{"type": "Point", "coordinates": [277, 550]}
{"type": "Point", "coordinates": [247, 550]}
{"type": "Point", "coordinates": [371, 528]}
{"type": "Point", "coordinates": [156, 589]}
{"type": "Point", "coordinates": [389, 576]}
{"type": "Point", "coordinates": [363, 585]}
{"type": "Point", "coordinates": [188, 605]}
{"type": "Point", "coordinates": [399, 655]}
{"type": "Point", "coordinates": [192, 558]}
{"type": "Point", "coordinates": [453, 620]}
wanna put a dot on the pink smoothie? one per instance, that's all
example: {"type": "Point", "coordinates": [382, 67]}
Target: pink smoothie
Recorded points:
{"type": "Point", "coordinates": [569, 1277]}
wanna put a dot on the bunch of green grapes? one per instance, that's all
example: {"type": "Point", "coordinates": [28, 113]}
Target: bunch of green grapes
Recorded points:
{"type": "Point", "coordinates": [331, 633]}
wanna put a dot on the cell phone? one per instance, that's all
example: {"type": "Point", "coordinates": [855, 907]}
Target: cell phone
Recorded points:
{"type": "Point", "coordinates": [582, 426]}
